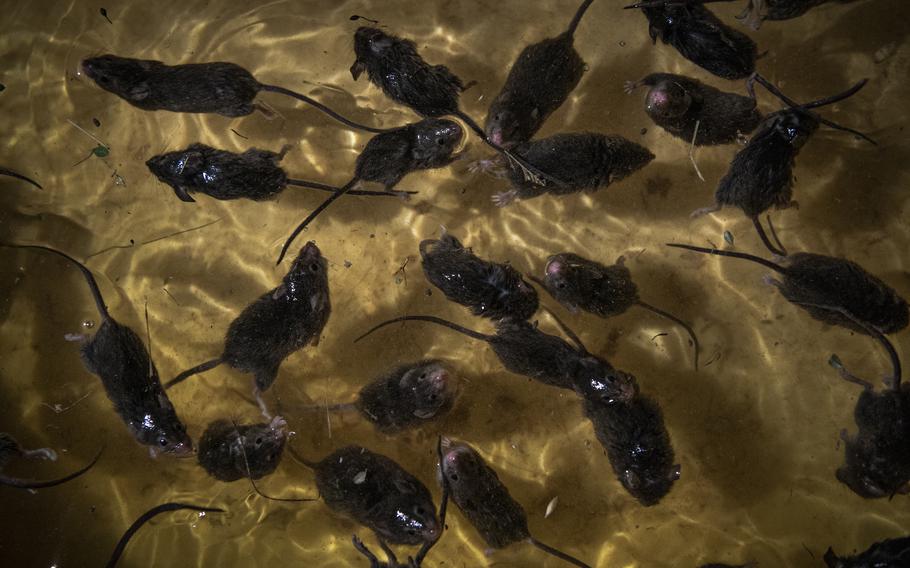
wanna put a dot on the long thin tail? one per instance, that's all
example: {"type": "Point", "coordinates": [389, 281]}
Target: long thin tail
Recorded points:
{"type": "Point", "coordinates": [573, 25]}
{"type": "Point", "coordinates": [246, 463]}
{"type": "Point", "coordinates": [732, 254]}
{"type": "Point", "coordinates": [11, 173]}
{"type": "Point", "coordinates": [300, 459]}
{"type": "Point", "coordinates": [558, 553]}
{"type": "Point", "coordinates": [443, 506]}
{"type": "Point", "coordinates": [207, 366]}
{"type": "Point", "coordinates": [326, 187]}
{"type": "Point", "coordinates": [780, 251]}
{"type": "Point", "coordinates": [32, 484]}
{"type": "Point", "coordinates": [432, 319]}
{"type": "Point", "coordinates": [322, 107]}
{"type": "Point", "coordinates": [565, 329]}
{"type": "Point", "coordinates": [338, 193]}
{"type": "Point", "coordinates": [677, 321]}
{"type": "Point", "coordinates": [89, 277]}
{"type": "Point", "coordinates": [147, 516]}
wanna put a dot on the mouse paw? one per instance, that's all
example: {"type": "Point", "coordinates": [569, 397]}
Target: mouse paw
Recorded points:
{"type": "Point", "coordinates": [771, 281]}
{"type": "Point", "coordinates": [75, 337]}
{"type": "Point", "coordinates": [503, 198]}
{"type": "Point", "coordinates": [40, 454]}
{"type": "Point", "coordinates": [704, 211]}
{"type": "Point", "coordinates": [629, 86]}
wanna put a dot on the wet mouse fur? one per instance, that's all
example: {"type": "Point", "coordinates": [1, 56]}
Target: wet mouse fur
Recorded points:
{"type": "Point", "coordinates": [408, 396]}
{"type": "Point", "coordinates": [228, 451]}
{"type": "Point", "coordinates": [492, 290]}
{"type": "Point", "coordinates": [680, 104]}
{"type": "Point", "coordinates": [889, 553]}
{"type": "Point", "coordinates": [10, 448]}
{"type": "Point", "coordinates": [539, 81]}
{"type": "Point", "coordinates": [757, 11]}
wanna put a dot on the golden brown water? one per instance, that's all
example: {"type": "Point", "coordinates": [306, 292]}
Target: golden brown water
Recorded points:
{"type": "Point", "coordinates": [756, 431]}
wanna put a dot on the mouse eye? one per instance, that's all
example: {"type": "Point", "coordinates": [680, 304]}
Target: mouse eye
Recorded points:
{"type": "Point", "coordinates": [454, 477]}
{"type": "Point", "coordinates": [314, 267]}
{"type": "Point", "coordinates": [441, 141]}
{"type": "Point", "coordinates": [258, 441]}
{"type": "Point", "coordinates": [423, 376]}
{"type": "Point", "coordinates": [433, 397]}
{"type": "Point", "coordinates": [561, 285]}
{"type": "Point", "coordinates": [162, 441]}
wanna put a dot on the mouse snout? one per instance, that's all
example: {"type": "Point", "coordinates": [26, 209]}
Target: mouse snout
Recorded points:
{"type": "Point", "coordinates": [183, 449]}
{"type": "Point", "coordinates": [279, 426]}
{"type": "Point", "coordinates": [496, 135]}
{"type": "Point", "coordinates": [554, 267]}
{"type": "Point", "coordinates": [658, 100]}
{"type": "Point", "coordinates": [440, 379]}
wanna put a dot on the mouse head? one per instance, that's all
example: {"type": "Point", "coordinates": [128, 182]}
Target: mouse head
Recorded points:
{"type": "Point", "coordinates": [665, 17]}
{"type": "Point", "coordinates": [164, 433]}
{"type": "Point", "coordinates": [434, 143]}
{"type": "Point", "coordinates": [408, 516]}
{"type": "Point", "coordinates": [792, 125]}
{"type": "Point", "coordinates": [431, 387]}
{"type": "Point", "coordinates": [369, 44]}
{"type": "Point", "coordinates": [263, 445]}
{"type": "Point", "coordinates": [178, 167]}
{"type": "Point", "coordinates": [465, 471]}
{"type": "Point", "coordinates": [867, 476]}
{"type": "Point", "coordinates": [308, 277]}
{"type": "Point", "coordinates": [577, 282]}
{"type": "Point", "coordinates": [651, 484]}
{"type": "Point", "coordinates": [667, 100]}
{"type": "Point", "coordinates": [597, 381]}
{"type": "Point", "coordinates": [507, 126]}
{"type": "Point", "coordinates": [127, 78]}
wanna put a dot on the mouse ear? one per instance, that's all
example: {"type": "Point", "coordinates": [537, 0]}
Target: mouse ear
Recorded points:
{"type": "Point", "coordinates": [357, 69]}
{"type": "Point", "coordinates": [405, 486]}
{"type": "Point", "coordinates": [139, 92]}
{"type": "Point", "coordinates": [630, 479]}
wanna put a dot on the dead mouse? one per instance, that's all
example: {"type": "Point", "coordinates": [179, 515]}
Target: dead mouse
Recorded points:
{"type": "Point", "coordinates": [390, 156]}
{"type": "Point", "coordinates": [540, 80]}
{"type": "Point", "coordinates": [605, 291]}
{"type": "Point", "coordinates": [282, 321]}
{"type": "Point", "coordinates": [486, 502]}
{"type": "Point", "coordinates": [695, 112]}
{"type": "Point", "coordinates": [761, 174]}
{"type": "Point", "coordinates": [10, 448]}
{"type": "Point", "coordinates": [757, 11]}
{"type": "Point", "coordinates": [699, 36]}
{"type": "Point", "coordinates": [229, 452]}
{"type": "Point", "coordinates": [119, 358]}
{"type": "Point", "coordinates": [889, 553]}
{"type": "Point", "coordinates": [218, 87]}
{"type": "Point", "coordinates": [582, 162]}
{"type": "Point", "coordinates": [11, 173]}
{"type": "Point", "coordinates": [492, 290]}
{"type": "Point", "coordinates": [225, 175]}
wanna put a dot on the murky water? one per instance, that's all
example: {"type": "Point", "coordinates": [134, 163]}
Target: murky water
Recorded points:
{"type": "Point", "coordinates": [756, 430]}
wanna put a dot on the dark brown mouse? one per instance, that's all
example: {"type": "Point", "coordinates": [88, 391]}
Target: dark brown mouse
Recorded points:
{"type": "Point", "coordinates": [757, 11]}
{"type": "Point", "coordinates": [606, 291]}
{"type": "Point", "coordinates": [218, 87]}
{"type": "Point", "coordinates": [695, 112]}
{"type": "Point", "coordinates": [11, 173]}
{"type": "Point", "coordinates": [229, 452]}
{"type": "Point", "coordinates": [225, 175]}
{"type": "Point", "coordinates": [582, 162]}
{"type": "Point", "coordinates": [119, 358]}
{"type": "Point", "coordinates": [408, 396]}
{"type": "Point", "coordinates": [889, 553]}
{"type": "Point", "coordinates": [10, 448]}
{"type": "Point", "coordinates": [492, 290]}
{"type": "Point", "coordinates": [390, 156]}
{"type": "Point", "coordinates": [540, 80]}
{"type": "Point", "coordinates": [486, 502]}
{"type": "Point", "coordinates": [282, 321]}
{"type": "Point", "coordinates": [714, 565]}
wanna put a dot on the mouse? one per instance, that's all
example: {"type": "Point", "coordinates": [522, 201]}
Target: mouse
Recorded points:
{"type": "Point", "coordinates": [280, 322]}
{"type": "Point", "coordinates": [10, 448]}
{"type": "Point", "coordinates": [606, 291]}
{"type": "Point", "coordinates": [539, 81]}
{"type": "Point", "coordinates": [486, 502]}
{"type": "Point", "coordinates": [889, 553]}
{"type": "Point", "coordinates": [582, 161]}
{"type": "Point", "coordinates": [699, 36]}
{"type": "Point", "coordinates": [716, 565]}
{"type": "Point", "coordinates": [224, 175]}
{"type": "Point", "coordinates": [491, 290]}
{"type": "Point", "coordinates": [390, 156]}
{"type": "Point", "coordinates": [217, 87]}
{"type": "Point", "coordinates": [117, 356]}
{"type": "Point", "coordinates": [146, 517]}
{"type": "Point", "coordinates": [11, 173]}
{"type": "Point", "coordinates": [694, 112]}
{"type": "Point", "coordinates": [757, 11]}
{"type": "Point", "coordinates": [229, 452]}
{"type": "Point", "coordinates": [761, 174]}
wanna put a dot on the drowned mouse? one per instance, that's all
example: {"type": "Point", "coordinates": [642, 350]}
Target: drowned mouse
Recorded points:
{"type": "Point", "coordinates": [10, 448]}
{"type": "Point", "coordinates": [119, 358]}
{"type": "Point", "coordinates": [277, 324]}
{"type": "Point", "coordinates": [221, 88]}
{"type": "Point", "coordinates": [889, 553]}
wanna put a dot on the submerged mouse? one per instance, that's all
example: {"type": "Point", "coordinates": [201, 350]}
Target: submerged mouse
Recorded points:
{"type": "Point", "coordinates": [540, 80]}
{"type": "Point", "coordinates": [889, 553]}
{"type": "Point", "coordinates": [757, 11]}
{"type": "Point", "coordinates": [695, 112]}
{"type": "Point", "coordinates": [605, 291]}
{"type": "Point", "coordinates": [492, 290]}
{"type": "Point", "coordinates": [584, 161]}
{"type": "Point", "coordinates": [699, 36]}
{"type": "Point", "coordinates": [486, 502]}
{"type": "Point", "coordinates": [282, 321]}
{"type": "Point", "coordinates": [761, 174]}
{"type": "Point", "coordinates": [11, 173]}
{"type": "Point", "coordinates": [10, 448]}
{"type": "Point", "coordinates": [218, 87]}
{"type": "Point", "coordinates": [225, 175]}
{"type": "Point", "coordinates": [229, 452]}
{"type": "Point", "coordinates": [119, 358]}
{"type": "Point", "coordinates": [390, 156]}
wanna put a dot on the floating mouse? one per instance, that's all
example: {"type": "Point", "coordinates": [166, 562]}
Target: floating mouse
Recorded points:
{"type": "Point", "coordinates": [699, 36]}
{"type": "Point", "coordinates": [889, 553]}
{"type": "Point", "coordinates": [229, 452]}
{"type": "Point", "coordinates": [10, 448]}
{"type": "Point", "coordinates": [605, 291]}
{"type": "Point", "coordinates": [695, 112]}
{"type": "Point", "coordinates": [146, 517]}
{"type": "Point", "coordinates": [119, 358]}
{"type": "Point", "coordinates": [225, 175]}
{"type": "Point", "coordinates": [11, 173]}
{"type": "Point", "coordinates": [221, 88]}
{"type": "Point", "coordinates": [757, 11]}
{"type": "Point", "coordinates": [583, 161]}
{"type": "Point", "coordinates": [492, 290]}
{"type": "Point", "coordinates": [282, 321]}
{"type": "Point", "coordinates": [761, 174]}
{"type": "Point", "coordinates": [486, 502]}
{"type": "Point", "coordinates": [540, 80]}
{"type": "Point", "coordinates": [390, 156]}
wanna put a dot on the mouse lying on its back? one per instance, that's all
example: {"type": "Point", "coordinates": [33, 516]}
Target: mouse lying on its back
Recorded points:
{"type": "Point", "coordinates": [10, 448]}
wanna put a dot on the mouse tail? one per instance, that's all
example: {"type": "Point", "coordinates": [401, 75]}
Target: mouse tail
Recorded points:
{"type": "Point", "coordinates": [573, 25]}
{"type": "Point", "coordinates": [678, 322]}
{"type": "Point", "coordinates": [246, 463]}
{"type": "Point", "coordinates": [732, 254]}
{"type": "Point", "coordinates": [32, 484]}
{"type": "Point", "coordinates": [326, 187]}
{"type": "Point", "coordinates": [302, 460]}
{"type": "Point", "coordinates": [557, 553]}
{"type": "Point", "coordinates": [338, 193]}
{"type": "Point", "coordinates": [11, 173]}
{"type": "Point", "coordinates": [207, 366]}
{"type": "Point", "coordinates": [431, 319]}
{"type": "Point", "coordinates": [323, 108]}
{"type": "Point", "coordinates": [146, 517]}
{"type": "Point", "coordinates": [779, 250]}
{"type": "Point", "coordinates": [569, 333]}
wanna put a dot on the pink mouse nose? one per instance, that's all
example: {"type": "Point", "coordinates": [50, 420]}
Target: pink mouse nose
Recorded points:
{"type": "Point", "coordinates": [554, 267]}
